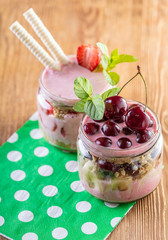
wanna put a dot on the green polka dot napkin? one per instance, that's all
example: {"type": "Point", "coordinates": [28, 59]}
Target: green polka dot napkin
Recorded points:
{"type": "Point", "coordinates": [41, 197]}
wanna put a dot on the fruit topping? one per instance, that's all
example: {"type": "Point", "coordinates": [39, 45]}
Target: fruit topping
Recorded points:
{"type": "Point", "coordinates": [104, 141]}
{"type": "Point", "coordinates": [143, 136]}
{"type": "Point", "coordinates": [110, 128]}
{"type": "Point", "coordinates": [124, 143]}
{"type": "Point", "coordinates": [151, 123]}
{"type": "Point", "coordinates": [115, 108]}
{"type": "Point", "coordinates": [127, 131]}
{"type": "Point", "coordinates": [102, 120]}
{"type": "Point", "coordinates": [137, 119]}
{"type": "Point", "coordinates": [88, 56]}
{"type": "Point", "coordinates": [91, 128]}
{"type": "Point", "coordinates": [120, 119]}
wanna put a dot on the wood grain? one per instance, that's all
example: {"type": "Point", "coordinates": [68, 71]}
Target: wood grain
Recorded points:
{"type": "Point", "coordinates": [134, 26]}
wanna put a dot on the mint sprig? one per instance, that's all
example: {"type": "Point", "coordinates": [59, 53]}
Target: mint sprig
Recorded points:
{"type": "Point", "coordinates": [110, 61]}
{"type": "Point", "coordinates": [93, 106]}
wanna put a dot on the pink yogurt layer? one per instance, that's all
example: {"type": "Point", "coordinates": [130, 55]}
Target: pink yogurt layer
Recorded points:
{"type": "Point", "coordinates": [60, 83]}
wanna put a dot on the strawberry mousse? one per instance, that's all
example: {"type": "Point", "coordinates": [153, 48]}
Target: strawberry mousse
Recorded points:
{"type": "Point", "coordinates": [120, 156]}
{"type": "Point", "coordinates": [55, 98]}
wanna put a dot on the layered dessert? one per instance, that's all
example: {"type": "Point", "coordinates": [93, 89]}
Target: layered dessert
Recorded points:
{"type": "Point", "coordinates": [55, 99]}
{"type": "Point", "coordinates": [118, 163]}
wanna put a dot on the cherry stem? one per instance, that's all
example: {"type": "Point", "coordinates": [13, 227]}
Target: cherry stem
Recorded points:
{"type": "Point", "coordinates": [138, 73]}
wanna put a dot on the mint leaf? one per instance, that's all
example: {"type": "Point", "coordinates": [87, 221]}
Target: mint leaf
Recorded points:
{"type": "Point", "coordinates": [114, 53]}
{"type": "Point", "coordinates": [105, 61]}
{"type": "Point", "coordinates": [125, 58]}
{"type": "Point", "coordinates": [79, 106]}
{"type": "Point", "coordinates": [111, 92]}
{"type": "Point", "coordinates": [82, 88]}
{"type": "Point", "coordinates": [112, 77]}
{"type": "Point", "coordinates": [94, 108]}
{"type": "Point", "coordinates": [103, 48]}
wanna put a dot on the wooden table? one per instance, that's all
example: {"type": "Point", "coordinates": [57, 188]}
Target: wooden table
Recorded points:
{"type": "Point", "coordinates": [135, 27]}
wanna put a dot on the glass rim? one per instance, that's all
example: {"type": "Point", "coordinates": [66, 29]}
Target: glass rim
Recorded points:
{"type": "Point", "coordinates": [119, 152]}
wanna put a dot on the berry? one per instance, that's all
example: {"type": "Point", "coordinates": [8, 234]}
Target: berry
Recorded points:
{"type": "Point", "coordinates": [104, 141]}
{"type": "Point", "coordinates": [124, 143]}
{"type": "Point", "coordinates": [102, 120]}
{"type": "Point", "coordinates": [110, 128]}
{"type": "Point", "coordinates": [151, 123]}
{"type": "Point", "coordinates": [63, 132]}
{"type": "Point", "coordinates": [137, 119]}
{"type": "Point", "coordinates": [127, 131]}
{"type": "Point", "coordinates": [110, 166]}
{"type": "Point", "coordinates": [143, 136]}
{"type": "Point", "coordinates": [120, 119]}
{"type": "Point", "coordinates": [88, 56]}
{"type": "Point", "coordinates": [115, 108]}
{"type": "Point", "coordinates": [91, 128]}
{"type": "Point", "coordinates": [45, 105]}
{"type": "Point", "coordinates": [136, 105]}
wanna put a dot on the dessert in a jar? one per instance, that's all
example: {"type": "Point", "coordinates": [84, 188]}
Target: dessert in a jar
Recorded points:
{"type": "Point", "coordinates": [120, 154]}
{"type": "Point", "coordinates": [56, 98]}
{"type": "Point", "coordinates": [117, 164]}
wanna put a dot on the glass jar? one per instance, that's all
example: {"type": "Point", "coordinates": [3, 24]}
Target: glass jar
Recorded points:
{"type": "Point", "coordinates": [57, 119]}
{"type": "Point", "coordinates": [134, 172]}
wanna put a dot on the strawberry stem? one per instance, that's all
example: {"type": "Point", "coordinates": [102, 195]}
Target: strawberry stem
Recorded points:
{"type": "Point", "coordinates": [138, 73]}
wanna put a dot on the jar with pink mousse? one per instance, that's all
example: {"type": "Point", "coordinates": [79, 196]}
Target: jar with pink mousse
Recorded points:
{"type": "Point", "coordinates": [123, 166]}
{"type": "Point", "coordinates": [56, 98]}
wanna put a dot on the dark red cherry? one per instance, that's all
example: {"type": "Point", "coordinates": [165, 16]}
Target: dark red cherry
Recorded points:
{"type": "Point", "coordinates": [115, 107]}
{"type": "Point", "coordinates": [91, 128]}
{"type": "Point", "coordinates": [143, 136]}
{"type": "Point", "coordinates": [127, 131]}
{"type": "Point", "coordinates": [135, 105]}
{"type": "Point", "coordinates": [110, 166]}
{"type": "Point", "coordinates": [124, 143]}
{"type": "Point", "coordinates": [104, 141]}
{"type": "Point", "coordinates": [151, 123]}
{"type": "Point", "coordinates": [120, 119]}
{"type": "Point", "coordinates": [102, 120]}
{"type": "Point", "coordinates": [110, 128]}
{"type": "Point", "coordinates": [137, 119]}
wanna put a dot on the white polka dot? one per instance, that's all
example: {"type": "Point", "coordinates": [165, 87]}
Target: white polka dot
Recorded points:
{"type": "Point", "coordinates": [36, 133]}
{"type": "Point", "coordinates": [45, 170]}
{"type": "Point", "coordinates": [77, 186]}
{"type": "Point", "coordinates": [72, 166]}
{"type": "Point", "coordinates": [54, 212]}
{"type": "Point", "coordinates": [13, 138]}
{"type": "Point", "coordinates": [89, 228]}
{"type": "Point", "coordinates": [2, 220]}
{"type": "Point", "coordinates": [50, 191]}
{"type": "Point", "coordinates": [14, 156]}
{"type": "Point", "coordinates": [25, 216]}
{"type": "Point", "coordinates": [34, 117]}
{"type": "Point", "coordinates": [59, 233]}
{"type": "Point", "coordinates": [83, 206]}
{"type": "Point", "coordinates": [30, 236]}
{"type": "Point", "coordinates": [21, 195]}
{"type": "Point", "coordinates": [18, 175]}
{"type": "Point", "coordinates": [115, 221]}
{"type": "Point", "coordinates": [111, 205]}
{"type": "Point", "coordinates": [41, 151]}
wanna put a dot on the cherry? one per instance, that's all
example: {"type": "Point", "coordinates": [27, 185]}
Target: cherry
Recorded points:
{"type": "Point", "coordinates": [102, 120]}
{"type": "Point", "coordinates": [135, 105]}
{"type": "Point", "coordinates": [91, 128]}
{"type": "Point", "coordinates": [115, 107]}
{"type": "Point", "coordinates": [127, 131]}
{"type": "Point", "coordinates": [110, 128]}
{"type": "Point", "coordinates": [110, 166]}
{"type": "Point", "coordinates": [124, 143]}
{"type": "Point", "coordinates": [151, 123]}
{"type": "Point", "coordinates": [143, 136]}
{"type": "Point", "coordinates": [104, 141]}
{"type": "Point", "coordinates": [120, 119]}
{"type": "Point", "coordinates": [137, 119]}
